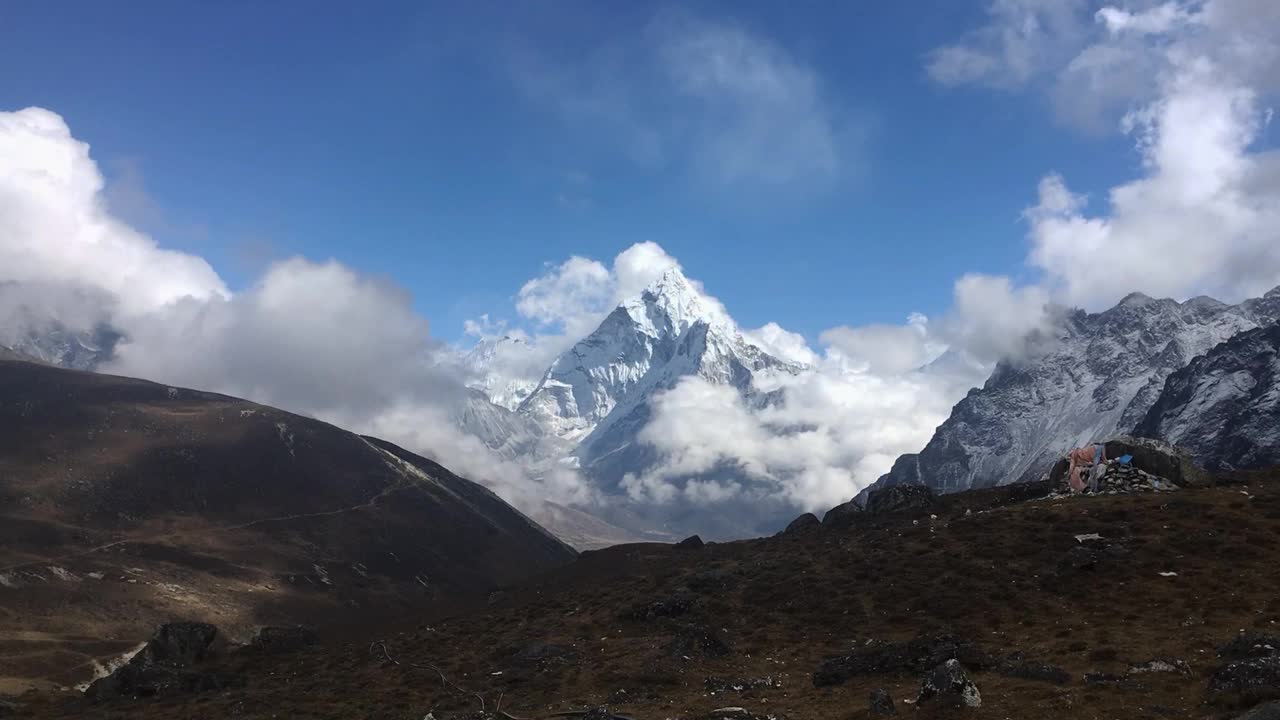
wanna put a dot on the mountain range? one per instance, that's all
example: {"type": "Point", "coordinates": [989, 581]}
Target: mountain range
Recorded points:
{"type": "Point", "coordinates": [1095, 376]}
{"type": "Point", "coordinates": [1090, 376]}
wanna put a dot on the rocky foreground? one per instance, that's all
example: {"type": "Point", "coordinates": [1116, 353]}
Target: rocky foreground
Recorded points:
{"type": "Point", "coordinates": [983, 604]}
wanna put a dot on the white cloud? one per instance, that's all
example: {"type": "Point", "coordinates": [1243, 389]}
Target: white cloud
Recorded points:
{"type": "Point", "coordinates": [55, 229]}
{"type": "Point", "coordinates": [714, 100]}
{"type": "Point", "coordinates": [314, 338]}
{"type": "Point", "coordinates": [1022, 38]}
{"type": "Point", "coordinates": [885, 349]}
{"type": "Point", "coordinates": [781, 343]}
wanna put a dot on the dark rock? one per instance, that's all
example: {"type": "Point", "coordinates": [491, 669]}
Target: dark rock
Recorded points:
{"type": "Point", "coordinates": [674, 606]}
{"type": "Point", "coordinates": [900, 498]}
{"type": "Point", "coordinates": [1241, 683]}
{"type": "Point", "coordinates": [916, 655]}
{"type": "Point", "coordinates": [283, 639]}
{"type": "Point", "coordinates": [842, 515]}
{"type": "Point", "coordinates": [1159, 458]}
{"type": "Point", "coordinates": [949, 682]}
{"type": "Point", "coordinates": [882, 703]}
{"type": "Point", "coordinates": [805, 522]}
{"type": "Point", "coordinates": [693, 542]}
{"type": "Point", "coordinates": [696, 639]}
{"type": "Point", "coordinates": [1269, 711]}
{"type": "Point", "coordinates": [165, 666]}
{"type": "Point", "coordinates": [1250, 645]}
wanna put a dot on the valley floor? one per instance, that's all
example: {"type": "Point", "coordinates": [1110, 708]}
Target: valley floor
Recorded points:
{"type": "Point", "coordinates": [655, 631]}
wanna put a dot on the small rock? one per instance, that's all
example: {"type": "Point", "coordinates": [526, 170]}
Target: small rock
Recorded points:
{"type": "Point", "coordinates": [882, 703]}
{"type": "Point", "coordinates": [949, 681]}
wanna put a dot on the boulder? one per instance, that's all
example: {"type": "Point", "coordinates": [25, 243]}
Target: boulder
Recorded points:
{"type": "Point", "coordinates": [949, 682]}
{"type": "Point", "coordinates": [900, 498]}
{"type": "Point", "coordinates": [1159, 458]}
{"type": "Point", "coordinates": [1241, 683]}
{"type": "Point", "coordinates": [882, 703]}
{"type": "Point", "coordinates": [167, 665]}
{"type": "Point", "coordinates": [1250, 645]}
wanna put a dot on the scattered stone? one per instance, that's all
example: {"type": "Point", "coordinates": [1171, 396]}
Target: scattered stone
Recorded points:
{"type": "Point", "coordinates": [718, 685]}
{"type": "Point", "coordinates": [1019, 666]}
{"type": "Point", "coordinates": [693, 542]}
{"type": "Point", "coordinates": [900, 498]}
{"type": "Point", "coordinates": [950, 682]}
{"type": "Point", "coordinates": [698, 639]}
{"type": "Point", "coordinates": [1240, 683]}
{"type": "Point", "coordinates": [1161, 665]}
{"type": "Point", "coordinates": [882, 703]}
{"type": "Point", "coordinates": [283, 639]}
{"type": "Point", "coordinates": [917, 655]}
{"type": "Point", "coordinates": [674, 606]}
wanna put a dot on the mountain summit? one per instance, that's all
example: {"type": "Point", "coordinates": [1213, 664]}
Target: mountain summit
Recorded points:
{"type": "Point", "coordinates": [1099, 377]}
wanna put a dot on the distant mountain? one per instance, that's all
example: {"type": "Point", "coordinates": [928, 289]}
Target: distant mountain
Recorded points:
{"type": "Point", "coordinates": [56, 344]}
{"type": "Point", "coordinates": [483, 362]}
{"type": "Point", "coordinates": [598, 393]}
{"type": "Point", "coordinates": [126, 503]}
{"type": "Point", "coordinates": [1224, 407]}
{"type": "Point", "coordinates": [1097, 376]}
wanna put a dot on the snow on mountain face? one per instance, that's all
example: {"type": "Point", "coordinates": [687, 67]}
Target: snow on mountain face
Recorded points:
{"type": "Point", "coordinates": [597, 393]}
{"type": "Point", "coordinates": [63, 347]}
{"type": "Point", "coordinates": [1100, 376]}
{"type": "Point", "coordinates": [490, 362]}
{"type": "Point", "coordinates": [1224, 407]}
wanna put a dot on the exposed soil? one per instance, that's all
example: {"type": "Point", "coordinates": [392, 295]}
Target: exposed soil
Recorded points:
{"type": "Point", "coordinates": [654, 631]}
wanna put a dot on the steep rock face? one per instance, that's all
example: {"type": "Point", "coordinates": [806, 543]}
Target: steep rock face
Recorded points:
{"type": "Point", "coordinates": [1224, 407]}
{"type": "Point", "coordinates": [1098, 376]}
{"type": "Point", "coordinates": [58, 345]}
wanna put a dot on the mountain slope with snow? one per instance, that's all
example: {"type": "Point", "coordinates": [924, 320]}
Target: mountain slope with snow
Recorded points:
{"type": "Point", "coordinates": [598, 393]}
{"type": "Point", "coordinates": [1099, 375]}
{"type": "Point", "coordinates": [1224, 407]}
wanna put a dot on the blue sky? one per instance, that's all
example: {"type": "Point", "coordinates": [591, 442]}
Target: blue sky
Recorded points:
{"type": "Point", "coordinates": [456, 148]}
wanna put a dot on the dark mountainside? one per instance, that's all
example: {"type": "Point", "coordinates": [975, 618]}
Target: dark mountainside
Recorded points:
{"type": "Point", "coordinates": [1096, 378]}
{"type": "Point", "coordinates": [126, 503]}
{"type": "Point", "coordinates": [1224, 407]}
{"type": "Point", "coordinates": [1125, 606]}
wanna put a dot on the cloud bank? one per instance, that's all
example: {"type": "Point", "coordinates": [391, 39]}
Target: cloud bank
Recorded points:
{"type": "Point", "coordinates": [316, 338]}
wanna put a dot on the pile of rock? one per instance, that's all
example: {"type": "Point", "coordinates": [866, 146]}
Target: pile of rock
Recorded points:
{"type": "Point", "coordinates": [1121, 477]}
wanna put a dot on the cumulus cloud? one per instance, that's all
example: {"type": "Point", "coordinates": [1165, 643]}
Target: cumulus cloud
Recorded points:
{"type": "Point", "coordinates": [725, 105]}
{"type": "Point", "coordinates": [56, 229]}
{"type": "Point", "coordinates": [316, 338]}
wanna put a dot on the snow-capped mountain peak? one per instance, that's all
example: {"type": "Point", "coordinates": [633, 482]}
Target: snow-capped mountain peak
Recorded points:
{"type": "Point", "coordinates": [672, 303]}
